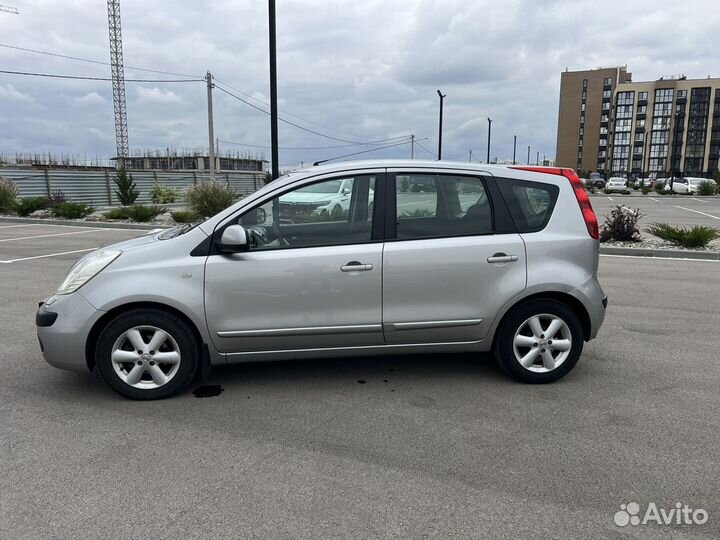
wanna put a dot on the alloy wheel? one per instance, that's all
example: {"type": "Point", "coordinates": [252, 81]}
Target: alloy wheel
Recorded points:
{"type": "Point", "coordinates": [145, 357]}
{"type": "Point", "coordinates": [542, 343]}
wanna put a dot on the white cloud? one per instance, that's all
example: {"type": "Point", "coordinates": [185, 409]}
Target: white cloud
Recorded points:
{"type": "Point", "coordinates": [93, 99]}
{"type": "Point", "coordinates": [157, 96]}
{"type": "Point", "coordinates": [10, 94]}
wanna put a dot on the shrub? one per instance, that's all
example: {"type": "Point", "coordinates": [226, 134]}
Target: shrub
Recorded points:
{"type": "Point", "coordinates": [28, 205]}
{"type": "Point", "coordinates": [659, 187]}
{"type": "Point", "coordinates": [118, 213]}
{"type": "Point", "coordinates": [418, 212]}
{"type": "Point", "coordinates": [183, 216]}
{"type": "Point", "coordinates": [693, 237]}
{"type": "Point", "coordinates": [139, 212]}
{"type": "Point", "coordinates": [621, 225]}
{"type": "Point", "coordinates": [708, 187]}
{"type": "Point", "coordinates": [56, 197]}
{"type": "Point", "coordinates": [208, 198]}
{"type": "Point", "coordinates": [8, 195]}
{"type": "Point", "coordinates": [646, 190]}
{"type": "Point", "coordinates": [160, 194]}
{"type": "Point", "coordinates": [72, 210]}
{"type": "Point", "coordinates": [126, 192]}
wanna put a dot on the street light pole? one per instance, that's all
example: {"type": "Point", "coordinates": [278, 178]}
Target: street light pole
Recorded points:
{"type": "Point", "coordinates": [442, 97]}
{"type": "Point", "coordinates": [514, 147]}
{"type": "Point", "coordinates": [273, 93]}
{"type": "Point", "coordinates": [528, 162]}
{"type": "Point", "coordinates": [489, 130]}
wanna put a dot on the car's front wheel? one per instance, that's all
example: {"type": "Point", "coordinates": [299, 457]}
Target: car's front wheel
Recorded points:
{"type": "Point", "coordinates": [539, 342]}
{"type": "Point", "coordinates": [147, 354]}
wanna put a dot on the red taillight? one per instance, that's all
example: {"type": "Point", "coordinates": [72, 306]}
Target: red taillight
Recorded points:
{"type": "Point", "coordinates": [580, 194]}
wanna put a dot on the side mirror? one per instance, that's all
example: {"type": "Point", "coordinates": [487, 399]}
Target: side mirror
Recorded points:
{"type": "Point", "coordinates": [346, 191]}
{"type": "Point", "coordinates": [233, 240]}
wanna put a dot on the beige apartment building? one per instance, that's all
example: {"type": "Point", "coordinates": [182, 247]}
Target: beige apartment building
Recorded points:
{"type": "Point", "coordinates": [610, 124]}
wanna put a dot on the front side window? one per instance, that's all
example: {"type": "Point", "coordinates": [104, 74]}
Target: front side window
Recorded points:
{"type": "Point", "coordinates": [438, 205]}
{"type": "Point", "coordinates": [327, 213]}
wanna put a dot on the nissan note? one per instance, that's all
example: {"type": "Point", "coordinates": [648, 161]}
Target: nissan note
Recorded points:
{"type": "Point", "coordinates": [483, 258]}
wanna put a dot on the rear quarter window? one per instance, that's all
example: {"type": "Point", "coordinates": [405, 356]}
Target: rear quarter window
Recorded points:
{"type": "Point", "coordinates": [530, 203]}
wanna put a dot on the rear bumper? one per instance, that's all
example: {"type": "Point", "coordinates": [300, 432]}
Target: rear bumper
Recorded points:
{"type": "Point", "coordinates": [595, 301]}
{"type": "Point", "coordinates": [63, 328]}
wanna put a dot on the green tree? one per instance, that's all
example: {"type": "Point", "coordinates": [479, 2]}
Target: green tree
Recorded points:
{"type": "Point", "coordinates": [126, 192]}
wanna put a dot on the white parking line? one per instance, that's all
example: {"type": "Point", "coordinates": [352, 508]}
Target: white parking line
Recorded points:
{"type": "Point", "coordinates": [48, 255]}
{"type": "Point", "coordinates": [654, 199]}
{"type": "Point", "coordinates": [658, 258]}
{"type": "Point", "coordinates": [689, 210]}
{"type": "Point", "coordinates": [49, 235]}
{"type": "Point", "coordinates": [11, 226]}
{"type": "Point", "coordinates": [698, 200]}
{"type": "Point", "coordinates": [610, 198]}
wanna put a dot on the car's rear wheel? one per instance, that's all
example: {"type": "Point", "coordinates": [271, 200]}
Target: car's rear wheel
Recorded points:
{"type": "Point", "coordinates": [147, 354]}
{"type": "Point", "coordinates": [539, 342]}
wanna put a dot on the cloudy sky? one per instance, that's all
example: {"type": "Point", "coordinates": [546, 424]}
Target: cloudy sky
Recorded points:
{"type": "Point", "coordinates": [357, 71]}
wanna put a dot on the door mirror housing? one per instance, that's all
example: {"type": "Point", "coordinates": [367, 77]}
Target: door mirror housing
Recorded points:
{"type": "Point", "coordinates": [234, 239]}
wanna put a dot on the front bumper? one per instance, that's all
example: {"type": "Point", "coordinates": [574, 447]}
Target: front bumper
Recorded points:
{"type": "Point", "coordinates": [63, 327]}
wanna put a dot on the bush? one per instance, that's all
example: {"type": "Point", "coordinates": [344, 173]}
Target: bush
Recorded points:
{"type": "Point", "coordinates": [56, 197]}
{"type": "Point", "coordinates": [621, 225]}
{"type": "Point", "coordinates": [693, 237]}
{"type": "Point", "coordinates": [708, 187]}
{"type": "Point", "coordinates": [183, 216]}
{"type": "Point", "coordinates": [160, 194]}
{"type": "Point", "coordinates": [418, 212]}
{"type": "Point", "coordinates": [659, 187]}
{"type": "Point", "coordinates": [72, 210]}
{"type": "Point", "coordinates": [28, 205]}
{"type": "Point", "coordinates": [208, 198]}
{"type": "Point", "coordinates": [646, 190]}
{"type": "Point", "coordinates": [8, 195]}
{"type": "Point", "coordinates": [139, 212]}
{"type": "Point", "coordinates": [126, 192]}
{"type": "Point", "coordinates": [118, 213]}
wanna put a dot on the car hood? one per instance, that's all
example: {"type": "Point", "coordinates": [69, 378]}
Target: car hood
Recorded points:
{"type": "Point", "coordinates": [150, 236]}
{"type": "Point", "coordinates": [299, 197]}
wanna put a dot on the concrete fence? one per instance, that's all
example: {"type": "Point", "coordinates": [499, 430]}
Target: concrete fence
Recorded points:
{"type": "Point", "coordinates": [97, 188]}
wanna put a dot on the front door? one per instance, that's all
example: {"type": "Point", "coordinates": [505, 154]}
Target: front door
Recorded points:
{"type": "Point", "coordinates": [312, 277]}
{"type": "Point", "coordinates": [451, 263]}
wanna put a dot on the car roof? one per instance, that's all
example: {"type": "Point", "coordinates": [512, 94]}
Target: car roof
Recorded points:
{"type": "Point", "coordinates": [394, 163]}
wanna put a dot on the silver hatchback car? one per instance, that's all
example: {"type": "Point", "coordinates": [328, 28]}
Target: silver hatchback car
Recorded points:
{"type": "Point", "coordinates": [483, 258]}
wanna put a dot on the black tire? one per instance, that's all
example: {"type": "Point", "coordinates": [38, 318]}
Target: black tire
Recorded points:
{"type": "Point", "coordinates": [177, 328]}
{"type": "Point", "coordinates": [503, 348]}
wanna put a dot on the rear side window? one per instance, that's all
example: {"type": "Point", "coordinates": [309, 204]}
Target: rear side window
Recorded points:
{"type": "Point", "coordinates": [530, 203]}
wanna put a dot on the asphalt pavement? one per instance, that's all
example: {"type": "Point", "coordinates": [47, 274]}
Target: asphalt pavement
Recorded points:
{"type": "Point", "coordinates": [442, 446]}
{"type": "Point", "coordinates": [678, 210]}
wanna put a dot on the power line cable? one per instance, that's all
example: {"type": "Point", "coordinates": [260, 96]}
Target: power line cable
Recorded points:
{"type": "Point", "coordinates": [357, 143]}
{"type": "Point", "coordinates": [83, 78]}
{"type": "Point", "coordinates": [290, 147]}
{"type": "Point", "coordinates": [363, 152]}
{"type": "Point", "coordinates": [424, 148]}
{"type": "Point", "coordinates": [67, 57]}
{"type": "Point", "coordinates": [289, 113]}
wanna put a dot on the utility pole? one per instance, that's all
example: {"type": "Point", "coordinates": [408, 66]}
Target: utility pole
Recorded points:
{"type": "Point", "coordinates": [537, 159]}
{"type": "Point", "coordinates": [273, 93]}
{"type": "Point", "coordinates": [528, 162]}
{"type": "Point", "coordinates": [470, 158]}
{"type": "Point", "coordinates": [489, 130]}
{"type": "Point", "coordinates": [514, 147]}
{"type": "Point", "coordinates": [211, 131]}
{"type": "Point", "coordinates": [442, 97]}
{"type": "Point", "coordinates": [412, 146]}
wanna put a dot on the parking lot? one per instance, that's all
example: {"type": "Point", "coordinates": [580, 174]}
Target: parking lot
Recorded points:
{"type": "Point", "coordinates": [673, 209]}
{"type": "Point", "coordinates": [395, 447]}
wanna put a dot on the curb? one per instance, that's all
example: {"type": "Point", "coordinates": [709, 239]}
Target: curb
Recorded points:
{"type": "Point", "coordinates": [664, 253]}
{"type": "Point", "coordinates": [73, 223]}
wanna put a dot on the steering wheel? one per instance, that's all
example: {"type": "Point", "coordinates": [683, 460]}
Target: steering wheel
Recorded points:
{"type": "Point", "coordinates": [258, 234]}
{"type": "Point", "coordinates": [279, 235]}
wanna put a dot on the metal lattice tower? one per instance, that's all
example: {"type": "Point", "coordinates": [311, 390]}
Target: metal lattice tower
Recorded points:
{"type": "Point", "coordinates": [118, 81]}
{"type": "Point", "coordinates": [9, 9]}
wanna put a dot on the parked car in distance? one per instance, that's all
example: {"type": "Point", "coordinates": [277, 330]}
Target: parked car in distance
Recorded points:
{"type": "Point", "coordinates": [689, 185]}
{"type": "Point", "coordinates": [597, 180]}
{"type": "Point", "coordinates": [617, 184]}
{"type": "Point", "coordinates": [323, 199]}
{"type": "Point", "coordinates": [488, 259]}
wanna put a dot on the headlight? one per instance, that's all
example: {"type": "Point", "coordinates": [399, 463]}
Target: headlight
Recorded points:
{"type": "Point", "coordinates": [86, 269]}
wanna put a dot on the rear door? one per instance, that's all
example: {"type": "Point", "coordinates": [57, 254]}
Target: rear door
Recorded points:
{"type": "Point", "coordinates": [452, 257]}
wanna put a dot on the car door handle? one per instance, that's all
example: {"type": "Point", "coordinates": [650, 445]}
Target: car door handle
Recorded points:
{"type": "Point", "coordinates": [355, 266]}
{"type": "Point", "coordinates": [502, 258]}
